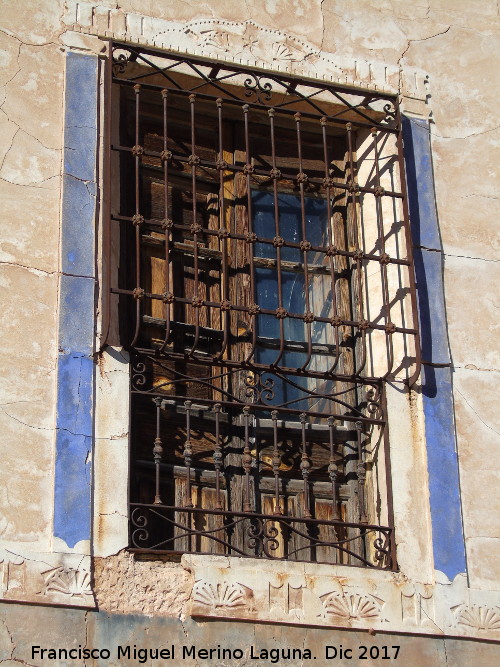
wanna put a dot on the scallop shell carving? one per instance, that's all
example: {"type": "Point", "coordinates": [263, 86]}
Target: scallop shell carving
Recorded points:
{"type": "Point", "coordinates": [351, 606]}
{"type": "Point", "coordinates": [282, 52]}
{"type": "Point", "coordinates": [220, 596]}
{"type": "Point", "coordinates": [217, 39]}
{"type": "Point", "coordinates": [480, 618]}
{"type": "Point", "coordinates": [71, 582]}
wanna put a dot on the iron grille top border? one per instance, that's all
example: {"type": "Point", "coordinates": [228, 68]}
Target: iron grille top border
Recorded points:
{"type": "Point", "coordinates": [259, 86]}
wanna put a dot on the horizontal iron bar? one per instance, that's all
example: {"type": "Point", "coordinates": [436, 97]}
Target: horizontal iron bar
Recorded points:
{"type": "Point", "coordinates": [269, 517]}
{"type": "Point", "coordinates": [339, 185]}
{"type": "Point", "coordinates": [263, 407]}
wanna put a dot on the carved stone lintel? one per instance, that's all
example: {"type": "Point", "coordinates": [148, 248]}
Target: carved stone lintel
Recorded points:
{"type": "Point", "coordinates": [249, 43]}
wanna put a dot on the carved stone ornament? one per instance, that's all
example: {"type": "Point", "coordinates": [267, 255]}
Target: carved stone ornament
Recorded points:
{"type": "Point", "coordinates": [478, 617]}
{"type": "Point", "coordinates": [67, 581]}
{"type": "Point", "coordinates": [222, 596]}
{"type": "Point", "coordinates": [352, 606]}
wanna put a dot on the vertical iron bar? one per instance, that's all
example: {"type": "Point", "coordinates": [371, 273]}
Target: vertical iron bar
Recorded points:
{"type": "Point", "coordinates": [223, 233]}
{"type": "Point", "coordinates": [358, 259]}
{"type": "Point", "coordinates": [328, 184]}
{"type": "Point", "coordinates": [247, 461]}
{"type": "Point", "coordinates": [333, 471]}
{"type": "Point", "coordinates": [278, 241]}
{"type": "Point", "coordinates": [388, 475]}
{"type": "Point", "coordinates": [305, 245]}
{"type": "Point", "coordinates": [305, 466]}
{"type": "Point", "coordinates": [166, 156]}
{"type": "Point", "coordinates": [157, 451]}
{"type": "Point", "coordinates": [361, 474]}
{"type": "Point", "coordinates": [276, 464]}
{"type": "Point", "coordinates": [188, 455]}
{"type": "Point", "coordinates": [137, 218]}
{"type": "Point", "coordinates": [383, 258]}
{"type": "Point", "coordinates": [217, 457]}
{"type": "Point", "coordinates": [248, 170]}
{"type": "Point", "coordinates": [195, 228]}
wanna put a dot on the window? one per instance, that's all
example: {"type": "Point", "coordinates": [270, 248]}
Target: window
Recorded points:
{"type": "Point", "coordinates": [264, 289]}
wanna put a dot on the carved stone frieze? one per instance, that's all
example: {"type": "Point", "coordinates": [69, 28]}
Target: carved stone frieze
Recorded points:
{"type": "Point", "coordinates": [248, 43]}
{"type": "Point", "coordinates": [339, 596]}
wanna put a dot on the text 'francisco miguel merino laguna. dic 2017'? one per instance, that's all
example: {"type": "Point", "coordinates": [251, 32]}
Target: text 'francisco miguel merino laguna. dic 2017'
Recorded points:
{"type": "Point", "coordinates": [142, 655]}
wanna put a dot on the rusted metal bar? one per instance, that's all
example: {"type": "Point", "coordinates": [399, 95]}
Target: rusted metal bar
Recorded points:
{"type": "Point", "coordinates": [167, 224]}
{"type": "Point", "coordinates": [305, 466]}
{"type": "Point", "coordinates": [188, 455]}
{"type": "Point", "coordinates": [217, 457]}
{"type": "Point", "coordinates": [305, 246]}
{"type": "Point", "coordinates": [247, 461]}
{"type": "Point", "coordinates": [197, 301]}
{"type": "Point", "coordinates": [137, 219]}
{"type": "Point", "coordinates": [333, 470]}
{"type": "Point", "coordinates": [276, 464]}
{"type": "Point", "coordinates": [384, 258]}
{"type": "Point", "coordinates": [157, 451]}
{"type": "Point", "coordinates": [225, 304]}
{"type": "Point", "coordinates": [358, 253]}
{"type": "Point", "coordinates": [278, 242]}
{"type": "Point", "coordinates": [361, 474]}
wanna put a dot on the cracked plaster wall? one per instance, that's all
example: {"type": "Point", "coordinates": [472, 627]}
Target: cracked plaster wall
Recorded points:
{"type": "Point", "coordinates": [455, 41]}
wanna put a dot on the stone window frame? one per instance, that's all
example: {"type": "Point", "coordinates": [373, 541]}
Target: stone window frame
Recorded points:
{"type": "Point", "coordinates": [420, 417]}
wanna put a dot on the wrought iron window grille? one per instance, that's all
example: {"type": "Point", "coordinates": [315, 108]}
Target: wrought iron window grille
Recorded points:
{"type": "Point", "coordinates": [265, 291]}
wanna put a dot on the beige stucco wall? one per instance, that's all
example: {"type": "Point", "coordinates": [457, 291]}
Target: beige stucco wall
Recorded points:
{"type": "Point", "coordinates": [389, 43]}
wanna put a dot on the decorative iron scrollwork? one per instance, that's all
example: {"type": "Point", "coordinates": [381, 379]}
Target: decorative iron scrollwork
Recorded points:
{"type": "Point", "coordinates": [259, 389]}
{"type": "Point", "coordinates": [254, 86]}
{"type": "Point", "coordinates": [121, 59]}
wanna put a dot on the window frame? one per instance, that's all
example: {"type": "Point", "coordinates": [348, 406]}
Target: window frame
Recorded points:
{"type": "Point", "coordinates": [411, 379]}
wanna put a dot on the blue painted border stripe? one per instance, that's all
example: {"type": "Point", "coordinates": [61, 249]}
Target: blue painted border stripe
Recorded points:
{"type": "Point", "coordinates": [75, 372]}
{"type": "Point", "coordinates": [437, 388]}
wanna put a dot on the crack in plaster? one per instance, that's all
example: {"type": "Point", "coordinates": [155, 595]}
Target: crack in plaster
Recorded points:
{"type": "Point", "coordinates": [33, 269]}
{"type": "Point", "coordinates": [45, 428]}
{"type": "Point", "coordinates": [11, 639]}
{"type": "Point", "coordinates": [34, 44]}
{"type": "Point", "coordinates": [472, 367]}
{"type": "Point", "coordinates": [32, 185]}
{"type": "Point", "coordinates": [476, 413]}
{"type": "Point", "coordinates": [19, 128]}
{"type": "Point", "coordinates": [466, 136]}
{"type": "Point", "coordinates": [479, 259]}
{"type": "Point", "coordinates": [11, 144]}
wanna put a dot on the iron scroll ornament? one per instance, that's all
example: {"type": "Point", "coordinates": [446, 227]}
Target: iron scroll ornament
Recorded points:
{"type": "Point", "coordinates": [254, 87]}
